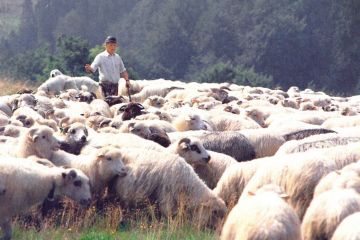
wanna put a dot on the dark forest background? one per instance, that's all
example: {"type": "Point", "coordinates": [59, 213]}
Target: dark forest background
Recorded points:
{"type": "Point", "coordinates": [267, 43]}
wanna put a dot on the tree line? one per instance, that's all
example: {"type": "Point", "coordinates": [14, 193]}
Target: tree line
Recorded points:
{"type": "Point", "coordinates": [253, 42]}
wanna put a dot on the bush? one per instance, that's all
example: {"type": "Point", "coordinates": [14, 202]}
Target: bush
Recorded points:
{"type": "Point", "coordinates": [226, 72]}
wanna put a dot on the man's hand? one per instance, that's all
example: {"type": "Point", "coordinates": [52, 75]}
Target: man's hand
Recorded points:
{"type": "Point", "coordinates": [127, 84]}
{"type": "Point", "coordinates": [88, 68]}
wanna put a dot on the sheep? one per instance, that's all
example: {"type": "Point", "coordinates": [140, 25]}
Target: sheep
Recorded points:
{"type": "Point", "coordinates": [315, 141]}
{"type": "Point", "coordinates": [211, 172]}
{"type": "Point", "coordinates": [262, 215]}
{"type": "Point", "coordinates": [100, 167]}
{"type": "Point", "coordinates": [298, 135]}
{"type": "Point", "coordinates": [234, 179]}
{"type": "Point", "coordinates": [231, 143]}
{"type": "Point", "coordinates": [75, 138]}
{"type": "Point", "coordinates": [342, 122]}
{"type": "Point", "coordinates": [185, 122]}
{"type": "Point", "coordinates": [347, 177]}
{"type": "Point", "coordinates": [98, 140]}
{"type": "Point", "coordinates": [326, 212]}
{"type": "Point", "coordinates": [38, 141]}
{"type": "Point", "coordinates": [154, 101]}
{"type": "Point", "coordinates": [309, 166]}
{"type": "Point", "coordinates": [28, 184]}
{"type": "Point", "coordinates": [191, 150]}
{"type": "Point", "coordinates": [266, 142]}
{"type": "Point", "coordinates": [346, 230]}
{"type": "Point", "coordinates": [150, 130]}
{"type": "Point", "coordinates": [151, 176]}
{"type": "Point", "coordinates": [101, 107]}
{"type": "Point", "coordinates": [131, 110]}
{"type": "Point", "coordinates": [225, 122]}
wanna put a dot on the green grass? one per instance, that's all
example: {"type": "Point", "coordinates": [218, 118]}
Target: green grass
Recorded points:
{"type": "Point", "coordinates": [167, 233]}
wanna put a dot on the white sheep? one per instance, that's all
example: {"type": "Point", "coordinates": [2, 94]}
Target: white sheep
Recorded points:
{"type": "Point", "coordinates": [234, 179]}
{"type": "Point", "coordinates": [185, 122]}
{"type": "Point", "coordinates": [28, 184]}
{"type": "Point", "coordinates": [342, 122]}
{"type": "Point", "coordinates": [347, 177]}
{"type": "Point", "coordinates": [211, 172]}
{"type": "Point", "coordinates": [266, 142]}
{"type": "Point", "coordinates": [326, 212]}
{"type": "Point", "coordinates": [38, 141]}
{"type": "Point", "coordinates": [346, 229]}
{"type": "Point", "coordinates": [99, 167]}
{"type": "Point", "coordinates": [262, 215]}
{"type": "Point", "coordinates": [287, 170]}
{"type": "Point", "coordinates": [191, 150]}
{"type": "Point", "coordinates": [151, 175]}
{"type": "Point", "coordinates": [316, 141]}
{"type": "Point", "coordinates": [229, 122]}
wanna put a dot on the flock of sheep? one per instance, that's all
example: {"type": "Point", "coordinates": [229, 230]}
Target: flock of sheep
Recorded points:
{"type": "Point", "coordinates": [252, 162]}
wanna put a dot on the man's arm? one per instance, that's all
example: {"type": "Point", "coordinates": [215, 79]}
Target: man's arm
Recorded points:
{"type": "Point", "coordinates": [125, 75]}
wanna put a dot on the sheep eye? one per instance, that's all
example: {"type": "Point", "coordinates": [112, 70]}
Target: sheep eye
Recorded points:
{"type": "Point", "coordinates": [77, 183]}
{"type": "Point", "coordinates": [72, 131]}
{"type": "Point", "coordinates": [44, 137]}
{"type": "Point", "coordinates": [109, 158]}
{"type": "Point", "coordinates": [195, 148]}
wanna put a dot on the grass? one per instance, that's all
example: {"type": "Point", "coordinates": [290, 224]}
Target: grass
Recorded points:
{"type": "Point", "coordinates": [9, 86]}
{"type": "Point", "coordinates": [73, 222]}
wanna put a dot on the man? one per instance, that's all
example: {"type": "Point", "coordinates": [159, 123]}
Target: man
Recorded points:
{"type": "Point", "coordinates": [111, 68]}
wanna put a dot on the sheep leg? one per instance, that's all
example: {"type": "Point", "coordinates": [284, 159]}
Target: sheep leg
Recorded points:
{"type": "Point", "coordinates": [7, 230]}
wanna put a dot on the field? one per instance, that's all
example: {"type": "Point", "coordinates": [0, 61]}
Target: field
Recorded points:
{"type": "Point", "coordinates": [88, 224]}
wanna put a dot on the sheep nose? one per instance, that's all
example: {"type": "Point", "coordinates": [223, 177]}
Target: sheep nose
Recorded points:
{"type": "Point", "coordinates": [122, 173]}
{"type": "Point", "coordinates": [207, 159]}
{"type": "Point", "coordinates": [2, 192]}
{"type": "Point", "coordinates": [83, 138]}
{"type": "Point", "coordinates": [85, 202]}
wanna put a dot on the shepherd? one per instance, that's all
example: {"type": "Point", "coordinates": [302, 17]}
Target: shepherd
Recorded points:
{"type": "Point", "coordinates": [111, 67]}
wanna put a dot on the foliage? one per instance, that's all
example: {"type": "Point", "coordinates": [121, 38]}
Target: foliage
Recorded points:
{"type": "Point", "coordinates": [296, 42]}
{"type": "Point", "coordinates": [225, 72]}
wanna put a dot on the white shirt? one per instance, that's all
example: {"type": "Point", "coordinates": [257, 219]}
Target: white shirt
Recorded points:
{"type": "Point", "coordinates": [110, 66]}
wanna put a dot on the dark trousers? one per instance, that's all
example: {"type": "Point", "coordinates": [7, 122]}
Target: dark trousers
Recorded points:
{"type": "Point", "coordinates": [109, 88]}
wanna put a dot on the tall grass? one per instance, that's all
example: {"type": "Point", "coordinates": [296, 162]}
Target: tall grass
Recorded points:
{"type": "Point", "coordinates": [10, 86]}
{"type": "Point", "coordinates": [74, 222]}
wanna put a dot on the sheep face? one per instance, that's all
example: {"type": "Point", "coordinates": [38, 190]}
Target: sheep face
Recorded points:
{"type": "Point", "coordinates": [193, 152]}
{"type": "Point", "coordinates": [110, 163]}
{"type": "Point", "coordinates": [257, 116]}
{"type": "Point", "coordinates": [194, 122]}
{"type": "Point", "coordinates": [75, 185]}
{"type": "Point", "coordinates": [27, 121]}
{"type": "Point", "coordinates": [75, 138]}
{"type": "Point", "coordinates": [156, 101]}
{"type": "Point", "coordinates": [139, 129]}
{"type": "Point", "coordinates": [43, 141]}
{"type": "Point", "coordinates": [27, 100]}
{"type": "Point", "coordinates": [211, 212]}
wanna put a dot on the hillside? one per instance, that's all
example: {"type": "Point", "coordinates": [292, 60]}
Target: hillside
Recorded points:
{"type": "Point", "coordinates": [305, 43]}
{"type": "Point", "coordinates": [10, 13]}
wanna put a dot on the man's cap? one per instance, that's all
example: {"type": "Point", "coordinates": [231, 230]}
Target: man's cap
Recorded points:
{"type": "Point", "coordinates": [110, 39]}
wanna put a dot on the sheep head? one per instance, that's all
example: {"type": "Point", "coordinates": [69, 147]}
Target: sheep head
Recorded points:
{"type": "Point", "coordinates": [41, 141]}
{"type": "Point", "coordinates": [75, 138]}
{"type": "Point", "coordinates": [193, 152]}
{"type": "Point", "coordinates": [110, 163]}
{"type": "Point", "coordinates": [72, 183]}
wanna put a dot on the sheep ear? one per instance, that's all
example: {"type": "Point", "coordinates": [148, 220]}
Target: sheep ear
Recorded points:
{"type": "Point", "coordinates": [131, 126]}
{"type": "Point", "coordinates": [70, 176]}
{"type": "Point", "coordinates": [251, 193]}
{"type": "Point", "coordinates": [184, 143]}
{"type": "Point", "coordinates": [32, 134]}
{"type": "Point", "coordinates": [284, 196]}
